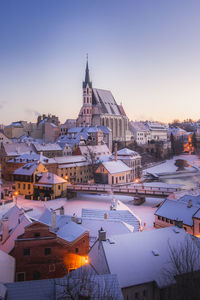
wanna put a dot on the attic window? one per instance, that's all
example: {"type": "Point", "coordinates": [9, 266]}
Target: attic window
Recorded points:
{"type": "Point", "coordinates": [36, 234]}
{"type": "Point", "coordinates": [155, 252]}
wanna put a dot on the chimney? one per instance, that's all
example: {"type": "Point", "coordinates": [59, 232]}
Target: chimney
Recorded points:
{"type": "Point", "coordinates": [74, 218]}
{"type": "Point", "coordinates": [102, 235]}
{"type": "Point", "coordinates": [53, 220]}
{"type": "Point", "coordinates": [178, 223]}
{"type": "Point", "coordinates": [40, 159]}
{"type": "Point", "coordinates": [189, 204]}
{"type": "Point", "coordinates": [5, 229]}
{"type": "Point", "coordinates": [105, 216]}
{"type": "Point", "coordinates": [62, 211]}
{"type": "Point", "coordinates": [115, 151]}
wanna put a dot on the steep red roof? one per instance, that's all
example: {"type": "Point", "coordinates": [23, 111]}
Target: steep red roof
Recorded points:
{"type": "Point", "coordinates": [122, 111]}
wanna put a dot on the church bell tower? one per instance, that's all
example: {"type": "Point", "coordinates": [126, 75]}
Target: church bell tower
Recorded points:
{"type": "Point", "coordinates": [85, 115]}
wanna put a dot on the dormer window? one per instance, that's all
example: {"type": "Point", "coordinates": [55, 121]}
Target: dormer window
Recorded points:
{"type": "Point", "coordinates": [36, 234]}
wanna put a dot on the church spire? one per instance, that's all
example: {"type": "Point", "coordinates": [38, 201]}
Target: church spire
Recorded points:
{"type": "Point", "coordinates": [87, 76]}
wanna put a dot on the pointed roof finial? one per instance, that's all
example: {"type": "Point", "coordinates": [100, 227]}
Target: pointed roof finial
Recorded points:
{"type": "Point", "coordinates": [87, 75]}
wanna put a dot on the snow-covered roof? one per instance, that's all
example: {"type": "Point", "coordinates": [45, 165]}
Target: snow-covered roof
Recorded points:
{"type": "Point", "coordinates": [27, 169]}
{"type": "Point", "coordinates": [24, 158]}
{"type": "Point", "coordinates": [127, 152]}
{"type": "Point", "coordinates": [177, 210]}
{"type": "Point", "coordinates": [75, 129]}
{"type": "Point", "coordinates": [125, 216]}
{"type": "Point", "coordinates": [79, 282]}
{"type": "Point", "coordinates": [139, 257]}
{"type": "Point", "coordinates": [100, 150]}
{"type": "Point", "coordinates": [16, 124]}
{"type": "Point", "coordinates": [177, 131]}
{"type": "Point", "coordinates": [114, 167]}
{"type": "Point", "coordinates": [4, 138]}
{"type": "Point", "coordinates": [186, 198]}
{"type": "Point", "coordinates": [111, 226]}
{"type": "Point", "coordinates": [156, 126]}
{"type": "Point", "coordinates": [16, 149]}
{"type": "Point", "coordinates": [66, 228]}
{"type": "Point", "coordinates": [48, 147]}
{"type": "Point", "coordinates": [51, 178]}
{"type": "Point", "coordinates": [139, 126]}
{"type": "Point", "coordinates": [31, 290]}
{"type": "Point", "coordinates": [105, 99]}
{"type": "Point", "coordinates": [7, 269]}
{"type": "Point", "coordinates": [78, 164]}
{"type": "Point", "coordinates": [69, 159]}
{"type": "Point", "coordinates": [17, 221]}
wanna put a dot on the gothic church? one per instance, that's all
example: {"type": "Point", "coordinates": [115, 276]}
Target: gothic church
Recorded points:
{"type": "Point", "coordinates": [100, 109]}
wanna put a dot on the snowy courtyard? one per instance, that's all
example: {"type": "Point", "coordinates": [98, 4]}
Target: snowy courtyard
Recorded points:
{"type": "Point", "coordinates": [90, 201]}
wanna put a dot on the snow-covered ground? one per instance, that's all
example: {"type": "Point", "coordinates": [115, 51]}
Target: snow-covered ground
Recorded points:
{"type": "Point", "coordinates": [145, 211]}
{"type": "Point", "coordinates": [169, 165]}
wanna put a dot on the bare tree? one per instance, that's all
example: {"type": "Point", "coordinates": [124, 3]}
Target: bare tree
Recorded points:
{"type": "Point", "coordinates": [84, 284]}
{"type": "Point", "coordinates": [182, 274]}
{"type": "Point", "coordinates": [91, 158]}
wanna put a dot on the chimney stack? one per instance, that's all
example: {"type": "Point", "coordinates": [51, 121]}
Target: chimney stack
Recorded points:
{"type": "Point", "coordinates": [53, 220]}
{"type": "Point", "coordinates": [5, 229]}
{"type": "Point", "coordinates": [102, 235]}
{"type": "Point", "coordinates": [189, 204]}
{"type": "Point", "coordinates": [62, 211]}
{"type": "Point", "coordinates": [41, 154]}
{"type": "Point", "coordinates": [115, 151]}
{"type": "Point", "coordinates": [74, 218]}
{"type": "Point", "coordinates": [178, 223]}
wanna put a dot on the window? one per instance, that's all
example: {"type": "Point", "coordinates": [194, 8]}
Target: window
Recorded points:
{"type": "Point", "coordinates": [47, 251]}
{"type": "Point", "coordinates": [24, 186]}
{"type": "Point", "coordinates": [171, 222]}
{"type": "Point", "coordinates": [36, 234]}
{"type": "Point", "coordinates": [59, 187]}
{"type": "Point", "coordinates": [36, 275]}
{"type": "Point", "coordinates": [18, 185]}
{"type": "Point", "coordinates": [27, 252]}
{"type": "Point", "coordinates": [29, 186]}
{"type": "Point", "coordinates": [20, 276]}
{"type": "Point", "coordinates": [145, 293]}
{"type": "Point", "coordinates": [76, 250]}
{"type": "Point", "coordinates": [52, 268]}
{"type": "Point", "coordinates": [159, 218]}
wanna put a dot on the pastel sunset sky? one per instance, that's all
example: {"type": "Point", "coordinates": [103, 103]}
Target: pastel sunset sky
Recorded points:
{"type": "Point", "coordinates": [147, 52]}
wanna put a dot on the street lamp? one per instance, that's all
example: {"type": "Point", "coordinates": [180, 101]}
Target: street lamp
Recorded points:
{"type": "Point", "coordinates": [16, 193]}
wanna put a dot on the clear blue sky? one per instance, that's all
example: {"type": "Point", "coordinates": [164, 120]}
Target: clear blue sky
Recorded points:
{"type": "Point", "coordinates": [147, 52]}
